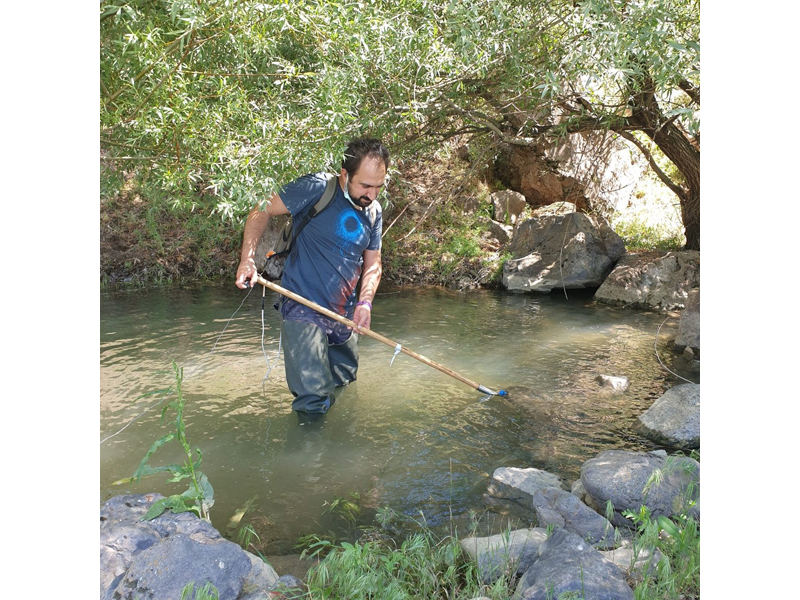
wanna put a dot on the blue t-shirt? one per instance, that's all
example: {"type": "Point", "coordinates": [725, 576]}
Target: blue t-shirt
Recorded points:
{"type": "Point", "coordinates": [325, 263]}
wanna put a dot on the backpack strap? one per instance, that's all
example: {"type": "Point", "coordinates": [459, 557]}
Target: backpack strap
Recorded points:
{"type": "Point", "coordinates": [322, 204]}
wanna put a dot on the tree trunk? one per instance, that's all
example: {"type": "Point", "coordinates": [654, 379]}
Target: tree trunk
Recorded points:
{"type": "Point", "coordinates": [680, 149]}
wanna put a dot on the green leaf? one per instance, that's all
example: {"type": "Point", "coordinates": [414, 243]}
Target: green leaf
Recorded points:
{"type": "Point", "coordinates": [668, 526]}
{"type": "Point", "coordinates": [176, 504]}
{"type": "Point", "coordinates": [156, 445]}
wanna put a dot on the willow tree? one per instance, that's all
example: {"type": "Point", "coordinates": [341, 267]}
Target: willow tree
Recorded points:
{"type": "Point", "coordinates": [231, 98]}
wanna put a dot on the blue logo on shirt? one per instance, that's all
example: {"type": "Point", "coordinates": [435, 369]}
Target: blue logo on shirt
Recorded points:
{"type": "Point", "coordinates": [349, 230]}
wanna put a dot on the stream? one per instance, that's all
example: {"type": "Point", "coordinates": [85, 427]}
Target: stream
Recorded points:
{"type": "Point", "coordinates": [405, 436]}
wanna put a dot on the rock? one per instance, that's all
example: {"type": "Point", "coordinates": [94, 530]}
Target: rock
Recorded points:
{"type": "Point", "coordinates": [674, 419]}
{"type": "Point", "coordinates": [288, 587]}
{"type": "Point", "coordinates": [560, 508]}
{"type": "Point", "coordinates": [689, 325]}
{"type": "Point", "coordinates": [635, 564]}
{"type": "Point", "coordinates": [621, 477]}
{"type": "Point", "coordinates": [607, 167]}
{"type": "Point", "coordinates": [661, 282]}
{"type": "Point", "coordinates": [505, 553]}
{"type": "Point", "coordinates": [617, 384]}
{"type": "Point", "coordinates": [164, 569]}
{"type": "Point", "coordinates": [498, 231]}
{"type": "Point", "coordinates": [519, 485]}
{"type": "Point", "coordinates": [508, 206]}
{"type": "Point", "coordinates": [567, 563]}
{"type": "Point", "coordinates": [554, 209]}
{"type": "Point", "coordinates": [571, 251]}
{"type": "Point", "coordinates": [158, 558]}
{"type": "Point", "coordinates": [578, 490]}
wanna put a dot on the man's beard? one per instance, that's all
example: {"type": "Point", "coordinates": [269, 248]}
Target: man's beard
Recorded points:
{"type": "Point", "coordinates": [362, 201]}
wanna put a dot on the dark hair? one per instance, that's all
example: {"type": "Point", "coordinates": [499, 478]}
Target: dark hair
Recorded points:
{"type": "Point", "coordinates": [359, 149]}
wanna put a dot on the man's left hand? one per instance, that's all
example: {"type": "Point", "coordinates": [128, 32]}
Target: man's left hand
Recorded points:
{"type": "Point", "coordinates": [362, 317]}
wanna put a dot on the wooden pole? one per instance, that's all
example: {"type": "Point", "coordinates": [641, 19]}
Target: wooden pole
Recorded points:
{"type": "Point", "coordinates": [377, 336]}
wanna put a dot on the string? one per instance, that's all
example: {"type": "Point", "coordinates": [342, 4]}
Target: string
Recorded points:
{"type": "Point", "coordinates": [655, 346]}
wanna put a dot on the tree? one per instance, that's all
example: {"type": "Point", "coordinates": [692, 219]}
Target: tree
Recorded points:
{"type": "Point", "coordinates": [232, 98]}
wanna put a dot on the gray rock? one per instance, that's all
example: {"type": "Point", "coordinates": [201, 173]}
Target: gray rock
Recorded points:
{"type": "Point", "coordinates": [621, 477]}
{"type": "Point", "coordinates": [560, 508]}
{"type": "Point", "coordinates": [505, 553]}
{"type": "Point", "coordinates": [674, 419]}
{"type": "Point", "coordinates": [148, 559]}
{"type": "Point", "coordinates": [517, 484]}
{"type": "Point", "coordinates": [661, 282]}
{"type": "Point", "coordinates": [164, 569]}
{"type": "Point", "coordinates": [567, 563]}
{"type": "Point", "coordinates": [634, 563]}
{"type": "Point", "coordinates": [571, 251]}
{"type": "Point", "coordinates": [689, 325]}
{"type": "Point", "coordinates": [287, 587]}
{"type": "Point", "coordinates": [497, 231]}
{"type": "Point", "coordinates": [508, 206]}
{"type": "Point", "coordinates": [617, 384]}
{"type": "Point", "coordinates": [578, 490]}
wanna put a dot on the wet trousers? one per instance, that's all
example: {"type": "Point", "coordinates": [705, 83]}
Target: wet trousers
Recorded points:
{"type": "Point", "coordinates": [314, 367]}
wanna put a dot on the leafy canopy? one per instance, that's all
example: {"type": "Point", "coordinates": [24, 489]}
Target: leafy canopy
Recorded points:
{"type": "Point", "coordinates": [232, 99]}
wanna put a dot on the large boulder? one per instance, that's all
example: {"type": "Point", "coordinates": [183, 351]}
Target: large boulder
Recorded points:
{"type": "Point", "coordinates": [504, 554]}
{"type": "Point", "coordinates": [570, 251]}
{"type": "Point", "coordinates": [158, 558]}
{"type": "Point", "coordinates": [560, 508]}
{"type": "Point", "coordinates": [674, 419]}
{"type": "Point", "coordinates": [689, 325]}
{"type": "Point", "coordinates": [627, 480]}
{"type": "Point", "coordinates": [652, 281]}
{"type": "Point", "coordinates": [567, 563]}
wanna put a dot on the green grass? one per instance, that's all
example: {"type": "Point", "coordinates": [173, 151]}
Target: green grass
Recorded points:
{"type": "Point", "coordinates": [639, 236]}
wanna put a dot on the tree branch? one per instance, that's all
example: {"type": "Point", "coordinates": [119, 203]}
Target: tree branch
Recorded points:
{"type": "Point", "coordinates": [691, 90]}
{"type": "Point", "coordinates": [678, 190]}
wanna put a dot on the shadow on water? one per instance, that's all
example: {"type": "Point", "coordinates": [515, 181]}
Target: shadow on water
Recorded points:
{"type": "Point", "coordinates": [404, 436]}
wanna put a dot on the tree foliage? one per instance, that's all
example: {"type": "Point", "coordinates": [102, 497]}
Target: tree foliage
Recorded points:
{"type": "Point", "coordinates": [234, 98]}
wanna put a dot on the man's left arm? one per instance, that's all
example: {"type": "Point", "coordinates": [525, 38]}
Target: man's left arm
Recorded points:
{"type": "Point", "coordinates": [370, 279]}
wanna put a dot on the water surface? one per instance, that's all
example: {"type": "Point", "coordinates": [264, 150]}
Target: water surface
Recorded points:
{"type": "Point", "coordinates": [405, 437]}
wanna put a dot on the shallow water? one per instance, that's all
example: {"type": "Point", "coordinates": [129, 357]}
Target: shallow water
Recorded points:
{"type": "Point", "coordinates": [405, 437]}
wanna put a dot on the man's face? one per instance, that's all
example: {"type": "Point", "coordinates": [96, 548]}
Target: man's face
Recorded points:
{"type": "Point", "coordinates": [367, 182]}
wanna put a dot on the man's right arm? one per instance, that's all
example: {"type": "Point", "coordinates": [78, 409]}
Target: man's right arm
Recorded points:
{"type": "Point", "coordinates": [253, 229]}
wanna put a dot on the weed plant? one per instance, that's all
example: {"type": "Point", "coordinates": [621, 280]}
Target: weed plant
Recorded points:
{"type": "Point", "coordinates": [199, 497]}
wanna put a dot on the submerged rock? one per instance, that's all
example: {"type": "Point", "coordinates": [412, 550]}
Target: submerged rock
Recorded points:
{"type": "Point", "coordinates": [520, 485]}
{"type": "Point", "coordinates": [617, 384]}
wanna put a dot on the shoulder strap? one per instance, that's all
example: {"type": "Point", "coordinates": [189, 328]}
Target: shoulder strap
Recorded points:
{"type": "Point", "coordinates": [327, 196]}
{"type": "Point", "coordinates": [322, 204]}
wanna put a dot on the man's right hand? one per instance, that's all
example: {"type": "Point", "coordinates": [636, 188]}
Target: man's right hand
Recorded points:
{"type": "Point", "coordinates": [246, 273]}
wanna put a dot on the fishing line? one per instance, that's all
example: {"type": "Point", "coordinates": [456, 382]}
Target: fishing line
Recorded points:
{"type": "Point", "coordinates": [250, 291]}
{"type": "Point", "coordinates": [655, 347]}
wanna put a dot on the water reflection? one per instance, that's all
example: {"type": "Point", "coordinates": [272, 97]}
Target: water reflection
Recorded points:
{"type": "Point", "coordinates": [405, 436]}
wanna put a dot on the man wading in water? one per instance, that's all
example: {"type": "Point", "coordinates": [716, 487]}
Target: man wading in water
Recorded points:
{"type": "Point", "coordinates": [338, 247]}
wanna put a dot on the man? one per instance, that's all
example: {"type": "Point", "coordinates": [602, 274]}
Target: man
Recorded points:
{"type": "Point", "coordinates": [339, 246]}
